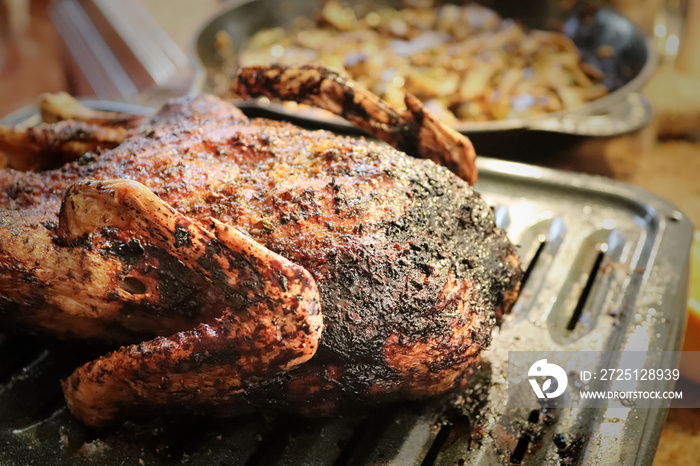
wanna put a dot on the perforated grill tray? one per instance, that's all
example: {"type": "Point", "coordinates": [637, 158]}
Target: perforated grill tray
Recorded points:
{"type": "Point", "coordinates": [606, 269]}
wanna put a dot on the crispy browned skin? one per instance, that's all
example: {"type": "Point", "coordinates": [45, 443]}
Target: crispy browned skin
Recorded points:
{"type": "Point", "coordinates": [272, 326]}
{"type": "Point", "coordinates": [409, 265]}
{"type": "Point", "coordinates": [415, 131]}
{"type": "Point", "coordinates": [49, 146]}
{"type": "Point", "coordinates": [60, 106]}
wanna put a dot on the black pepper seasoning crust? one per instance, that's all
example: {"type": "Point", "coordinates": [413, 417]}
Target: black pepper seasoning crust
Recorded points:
{"type": "Point", "coordinates": [381, 233]}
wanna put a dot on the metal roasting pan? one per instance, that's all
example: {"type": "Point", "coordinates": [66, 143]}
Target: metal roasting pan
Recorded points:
{"type": "Point", "coordinates": [623, 110]}
{"type": "Point", "coordinates": [615, 252]}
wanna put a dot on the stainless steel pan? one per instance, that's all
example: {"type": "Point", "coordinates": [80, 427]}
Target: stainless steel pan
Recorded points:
{"type": "Point", "coordinates": [623, 110]}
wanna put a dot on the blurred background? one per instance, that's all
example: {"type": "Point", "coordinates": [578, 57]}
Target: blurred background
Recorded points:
{"type": "Point", "coordinates": [137, 50]}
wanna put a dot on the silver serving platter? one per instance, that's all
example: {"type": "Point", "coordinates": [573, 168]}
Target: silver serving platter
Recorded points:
{"type": "Point", "coordinates": [623, 110]}
{"type": "Point", "coordinates": [609, 257]}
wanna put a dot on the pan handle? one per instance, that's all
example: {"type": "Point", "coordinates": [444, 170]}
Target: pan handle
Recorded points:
{"type": "Point", "coordinates": [629, 114]}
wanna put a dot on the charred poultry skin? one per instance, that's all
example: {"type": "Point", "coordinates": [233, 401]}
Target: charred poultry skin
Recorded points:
{"type": "Point", "coordinates": [247, 263]}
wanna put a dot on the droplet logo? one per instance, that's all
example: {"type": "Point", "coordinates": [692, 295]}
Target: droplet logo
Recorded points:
{"type": "Point", "coordinates": [542, 368]}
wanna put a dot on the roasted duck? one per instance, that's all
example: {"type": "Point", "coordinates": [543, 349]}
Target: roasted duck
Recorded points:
{"type": "Point", "coordinates": [248, 263]}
